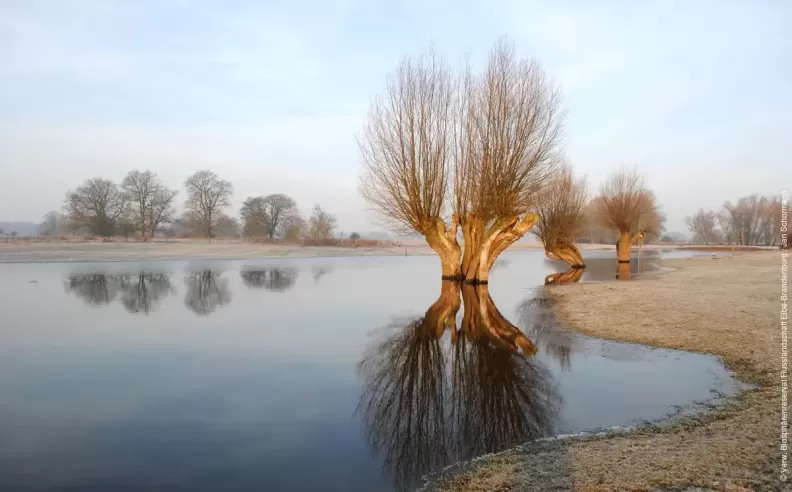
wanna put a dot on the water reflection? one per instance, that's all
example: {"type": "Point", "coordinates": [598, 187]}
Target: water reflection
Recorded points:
{"type": "Point", "coordinates": [96, 289]}
{"type": "Point", "coordinates": [321, 271]}
{"type": "Point", "coordinates": [206, 290]}
{"type": "Point", "coordinates": [539, 321]}
{"type": "Point", "coordinates": [600, 266]}
{"type": "Point", "coordinates": [141, 292]}
{"type": "Point", "coordinates": [561, 278]}
{"type": "Point", "coordinates": [144, 291]}
{"type": "Point", "coordinates": [427, 403]}
{"type": "Point", "coordinates": [274, 279]}
{"type": "Point", "coordinates": [623, 271]}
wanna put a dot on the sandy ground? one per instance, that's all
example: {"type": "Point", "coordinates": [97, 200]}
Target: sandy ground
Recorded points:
{"type": "Point", "coordinates": [725, 306]}
{"type": "Point", "coordinates": [197, 249]}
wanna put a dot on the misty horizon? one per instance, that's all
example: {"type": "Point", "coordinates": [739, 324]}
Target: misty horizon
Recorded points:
{"type": "Point", "coordinates": [272, 98]}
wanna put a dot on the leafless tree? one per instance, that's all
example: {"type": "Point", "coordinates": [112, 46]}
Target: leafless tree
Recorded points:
{"type": "Point", "coordinates": [442, 151]}
{"type": "Point", "coordinates": [227, 226]}
{"type": "Point", "coordinates": [207, 196]}
{"type": "Point", "coordinates": [267, 215]}
{"type": "Point", "coordinates": [729, 222]}
{"type": "Point", "coordinates": [295, 228]}
{"type": "Point", "coordinates": [280, 208]}
{"type": "Point", "coordinates": [151, 201]}
{"type": "Point", "coordinates": [561, 209]}
{"type": "Point", "coordinates": [752, 220]}
{"type": "Point", "coordinates": [53, 223]}
{"type": "Point", "coordinates": [97, 205]}
{"type": "Point", "coordinates": [321, 224]}
{"type": "Point", "coordinates": [770, 221]}
{"type": "Point", "coordinates": [253, 214]}
{"type": "Point", "coordinates": [628, 207]}
{"type": "Point", "coordinates": [702, 225]}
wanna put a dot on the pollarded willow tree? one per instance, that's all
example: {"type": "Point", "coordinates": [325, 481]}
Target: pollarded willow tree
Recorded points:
{"type": "Point", "coordinates": [628, 207]}
{"type": "Point", "coordinates": [443, 151]}
{"type": "Point", "coordinates": [561, 208]}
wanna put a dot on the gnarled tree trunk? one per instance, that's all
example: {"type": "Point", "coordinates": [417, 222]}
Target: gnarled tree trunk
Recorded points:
{"type": "Point", "coordinates": [484, 244]}
{"type": "Point", "coordinates": [567, 252]}
{"type": "Point", "coordinates": [444, 242]}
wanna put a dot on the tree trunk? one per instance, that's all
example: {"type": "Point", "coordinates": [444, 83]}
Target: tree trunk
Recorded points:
{"type": "Point", "coordinates": [624, 245]}
{"type": "Point", "coordinates": [482, 247]}
{"type": "Point", "coordinates": [472, 230]}
{"type": "Point", "coordinates": [443, 241]}
{"type": "Point", "coordinates": [510, 236]}
{"type": "Point", "coordinates": [567, 252]}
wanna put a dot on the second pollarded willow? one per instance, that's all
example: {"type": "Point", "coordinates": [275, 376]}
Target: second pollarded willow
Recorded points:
{"type": "Point", "coordinates": [445, 151]}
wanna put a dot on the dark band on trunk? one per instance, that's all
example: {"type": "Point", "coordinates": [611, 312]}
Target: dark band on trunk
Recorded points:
{"type": "Point", "coordinates": [578, 267]}
{"type": "Point", "coordinates": [624, 261]}
{"type": "Point", "coordinates": [476, 281]}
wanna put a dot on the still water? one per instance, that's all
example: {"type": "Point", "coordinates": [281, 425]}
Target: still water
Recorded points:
{"type": "Point", "coordinates": [347, 374]}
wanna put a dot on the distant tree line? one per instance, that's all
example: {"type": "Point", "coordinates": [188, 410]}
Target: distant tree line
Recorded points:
{"type": "Point", "coordinates": [750, 221]}
{"type": "Point", "coordinates": [142, 205]}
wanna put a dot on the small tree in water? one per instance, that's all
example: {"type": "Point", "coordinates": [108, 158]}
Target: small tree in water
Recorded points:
{"type": "Point", "coordinates": [561, 208]}
{"type": "Point", "coordinates": [442, 151]}
{"type": "Point", "coordinates": [628, 207]}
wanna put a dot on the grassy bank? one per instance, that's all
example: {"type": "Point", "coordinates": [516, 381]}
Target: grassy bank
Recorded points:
{"type": "Point", "coordinates": [726, 306]}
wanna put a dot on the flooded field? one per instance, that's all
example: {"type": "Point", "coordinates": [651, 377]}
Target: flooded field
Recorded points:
{"type": "Point", "coordinates": [359, 373]}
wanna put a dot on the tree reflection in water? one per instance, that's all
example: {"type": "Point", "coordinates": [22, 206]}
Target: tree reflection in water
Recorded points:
{"type": "Point", "coordinates": [140, 292]}
{"type": "Point", "coordinates": [205, 291]}
{"type": "Point", "coordinates": [624, 271]}
{"type": "Point", "coordinates": [96, 289]}
{"type": "Point", "coordinates": [562, 278]}
{"type": "Point", "coordinates": [427, 403]}
{"type": "Point", "coordinates": [143, 292]}
{"type": "Point", "coordinates": [275, 279]}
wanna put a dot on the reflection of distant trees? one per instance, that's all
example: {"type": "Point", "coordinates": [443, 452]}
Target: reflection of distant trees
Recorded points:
{"type": "Point", "coordinates": [95, 288]}
{"type": "Point", "coordinates": [139, 293]}
{"type": "Point", "coordinates": [144, 291]}
{"type": "Point", "coordinates": [426, 403]}
{"type": "Point", "coordinates": [275, 279]}
{"type": "Point", "coordinates": [205, 291]}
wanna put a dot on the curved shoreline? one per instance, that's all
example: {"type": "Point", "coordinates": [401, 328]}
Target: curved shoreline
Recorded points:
{"type": "Point", "coordinates": [723, 308]}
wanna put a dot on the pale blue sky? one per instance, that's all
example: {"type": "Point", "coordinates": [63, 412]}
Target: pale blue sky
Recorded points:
{"type": "Point", "coordinates": [696, 95]}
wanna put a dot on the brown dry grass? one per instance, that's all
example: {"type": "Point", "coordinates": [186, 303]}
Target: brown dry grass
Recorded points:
{"type": "Point", "coordinates": [726, 306]}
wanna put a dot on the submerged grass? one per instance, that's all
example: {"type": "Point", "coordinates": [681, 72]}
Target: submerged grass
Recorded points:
{"type": "Point", "coordinates": [724, 306]}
